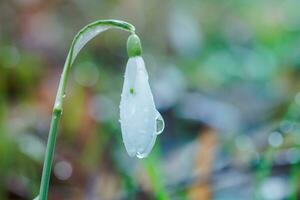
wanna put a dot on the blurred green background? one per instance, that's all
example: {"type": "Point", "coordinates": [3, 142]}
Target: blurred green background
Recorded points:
{"type": "Point", "coordinates": [224, 74]}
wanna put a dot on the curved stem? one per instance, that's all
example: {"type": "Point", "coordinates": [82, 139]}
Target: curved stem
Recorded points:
{"type": "Point", "coordinates": [82, 37]}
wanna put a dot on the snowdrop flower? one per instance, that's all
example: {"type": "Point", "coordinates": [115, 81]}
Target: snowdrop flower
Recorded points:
{"type": "Point", "coordinates": [140, 121]}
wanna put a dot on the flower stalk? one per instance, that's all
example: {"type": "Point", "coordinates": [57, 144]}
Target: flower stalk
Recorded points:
{"type": "Point", "coordinates": [82, 37]}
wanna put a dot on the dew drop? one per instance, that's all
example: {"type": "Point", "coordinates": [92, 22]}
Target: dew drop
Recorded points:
{"type": "Point", "coordinates": [141, 155]}
{"type": "Point", "coordinates": [160, 124]}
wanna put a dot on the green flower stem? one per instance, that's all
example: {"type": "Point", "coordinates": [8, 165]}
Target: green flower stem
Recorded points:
{"type": "Point", "coordinates": [49, 155]}
{"type": "Point", "coordinates": [58, 105]}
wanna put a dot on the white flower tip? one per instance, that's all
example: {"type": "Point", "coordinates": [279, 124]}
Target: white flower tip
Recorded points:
{"type": "Point", "coordinates": [147, 143]}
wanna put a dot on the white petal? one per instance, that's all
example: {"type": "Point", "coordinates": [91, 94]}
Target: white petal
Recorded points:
{"type": "Point", "coordinates": [140, 121]}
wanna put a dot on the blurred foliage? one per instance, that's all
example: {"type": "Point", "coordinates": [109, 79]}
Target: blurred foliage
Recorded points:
{"type": "Point", "coordinates": [219, 69]}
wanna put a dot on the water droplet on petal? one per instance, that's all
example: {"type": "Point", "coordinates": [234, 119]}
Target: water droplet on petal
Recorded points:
{"type": "Point", "coordinates": [141, 155]}
{"type": "Point", "coordinates": [160, 124]}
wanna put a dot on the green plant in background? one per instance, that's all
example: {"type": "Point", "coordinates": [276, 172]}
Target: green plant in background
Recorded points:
{"type": "Point", "coordinates": [140, 121]}
{"type": "Point", "coordinates": [153, 167]}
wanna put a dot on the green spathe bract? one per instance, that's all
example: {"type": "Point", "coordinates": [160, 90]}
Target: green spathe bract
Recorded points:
{"type": "Point", "coordinates": [82, 37]}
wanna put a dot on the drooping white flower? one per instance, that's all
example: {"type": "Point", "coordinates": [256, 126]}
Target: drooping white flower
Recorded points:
{"type": "Point", "coordinates": [140, 121]}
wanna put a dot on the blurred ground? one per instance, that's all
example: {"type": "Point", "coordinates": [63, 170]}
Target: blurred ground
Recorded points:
{"type": "Point", "coordinates": [224, 75]}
